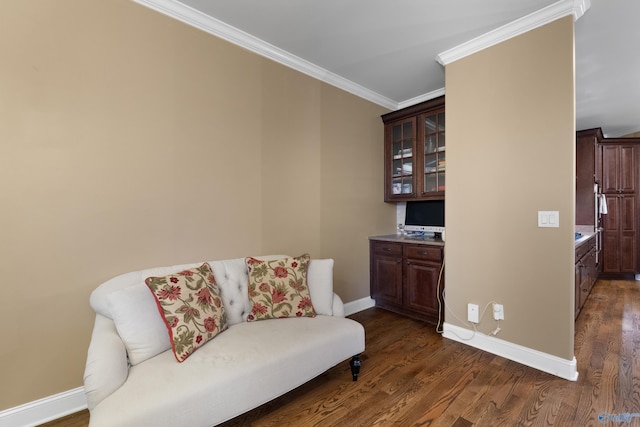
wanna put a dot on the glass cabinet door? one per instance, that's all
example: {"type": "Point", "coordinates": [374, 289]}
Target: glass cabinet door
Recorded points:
{"type": "Point", "coordinates": [414, 152]}
{"type": "Point", "coordinates": [402, 153]}
{"type": "Point", "coordinates": [434, 153]}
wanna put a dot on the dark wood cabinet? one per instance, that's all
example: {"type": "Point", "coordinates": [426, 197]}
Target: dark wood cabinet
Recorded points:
{"type": "Point", "coordinates": [618, 168]}
{"type": "Point", "coordinates": [619, 244]}
{"type": "Point", "coordinates": [414, 152]}
{"type": "Point", "coordinates": [407, 278]}
{"type": "Point", "coordinates": [620, 224]}
{"type": "Point", "coordinates": [588, 173]}
{"type": "Point", "coordinates": [421, 275]}
{"type": "Point", "coordinates": [578, 283]}
{"type": "Point", "coordinates": [386, 272]}
{"type": "Point", "coordinates": [586, 273]}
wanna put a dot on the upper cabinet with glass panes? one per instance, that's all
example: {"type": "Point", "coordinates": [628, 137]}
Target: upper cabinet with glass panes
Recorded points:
{"type": "Point", "coordinates": [415, 152]}
{"type": "Point", "coordinates": [434, 153]}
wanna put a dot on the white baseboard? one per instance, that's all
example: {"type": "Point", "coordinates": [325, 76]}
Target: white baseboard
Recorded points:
{"type": "Point", "coordinates": [45, 409]}
{"type": "Point", "coordinates": [358, 305]}
{"type": "Point", "coordinates": [563, 368]}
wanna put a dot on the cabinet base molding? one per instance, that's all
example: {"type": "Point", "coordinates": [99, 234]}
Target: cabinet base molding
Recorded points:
{"type": "Point", "coordinates": [554, 365]}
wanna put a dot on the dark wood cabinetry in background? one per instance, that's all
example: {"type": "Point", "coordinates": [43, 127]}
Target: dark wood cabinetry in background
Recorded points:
{"type": "Point", "coordinates": [406, 274]}
{"type": "Point", "coordinates": [619, 243]}
{"type": "Point", "coordinates": [405, 277]}
{"type": "Point", "coordinates": [619, 173]}
{"type": "Point", "coordinates": [386, 273]}
{"type": "Point", "coordinates": [588, 173]}
{"type": "Point", "coordinates": [414, 152]}
{"type": "Point", "coordinates": [620, 224]}
{"type": "Point", "coordinates": [586, 272]}
{"type": "Point", "coordinates": [613, 164]}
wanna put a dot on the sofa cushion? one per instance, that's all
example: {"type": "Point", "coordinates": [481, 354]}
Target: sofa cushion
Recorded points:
{"type": "Point", "coordinates": [141, 327]}
{"type": "Point", "coordinates": [278, 288]}
{"type": "Point", "coordinates": [99, 297]}
{"type": "Point", "coordinates": [190, 304]}
{"type": "Point", "coordinates": [320, 281]}
{"type": "Point", "coordinates": [231, 277]}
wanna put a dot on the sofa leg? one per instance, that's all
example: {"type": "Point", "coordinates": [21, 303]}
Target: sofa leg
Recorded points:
{"type": "Point", "coordinates": [355, 366]}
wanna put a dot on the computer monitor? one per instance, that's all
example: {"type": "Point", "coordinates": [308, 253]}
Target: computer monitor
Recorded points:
{"type": "Point", "coordinates": [425, 216]}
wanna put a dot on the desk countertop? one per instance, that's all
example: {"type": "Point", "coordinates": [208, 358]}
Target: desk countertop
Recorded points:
{"type": "Point", "coordinates": [587, 232]}
{"type": "Point", "coordinates": [403, 238]}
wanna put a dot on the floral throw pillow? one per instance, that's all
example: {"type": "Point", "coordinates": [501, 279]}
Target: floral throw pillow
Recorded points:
{"type": "Point", "coordinates": [190, 305]}
{"type": "Point", "coordinates": [278, 288]}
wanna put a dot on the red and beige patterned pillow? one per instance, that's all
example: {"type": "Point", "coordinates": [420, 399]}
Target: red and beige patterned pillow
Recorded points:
{"type": "Point", "coordinates": [190, 305]}
{"type": "Point", "coordinates": [278, 288]}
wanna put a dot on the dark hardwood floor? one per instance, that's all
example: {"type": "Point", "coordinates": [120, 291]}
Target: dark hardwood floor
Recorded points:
{"type": "Point", "coordinates": [412, 377]}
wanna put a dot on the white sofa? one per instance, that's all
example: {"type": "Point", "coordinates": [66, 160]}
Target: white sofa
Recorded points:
{"type": "Point", "coordinates": [248, 364]}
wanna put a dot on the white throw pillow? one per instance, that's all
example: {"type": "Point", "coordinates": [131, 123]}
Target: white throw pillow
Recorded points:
{"type": "Point", "coordinates": [138, 322]}
{"type": "Point", "coordinates": [320, 282]}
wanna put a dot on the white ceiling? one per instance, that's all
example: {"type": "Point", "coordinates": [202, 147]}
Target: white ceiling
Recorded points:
{"type": "Point", "coordinates": [386, 51]}
{"type": "Point", "coordinates": [608, 67]}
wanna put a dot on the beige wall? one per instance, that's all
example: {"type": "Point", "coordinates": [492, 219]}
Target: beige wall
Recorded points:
{"type": "Point", "coordinates": [322, 175]}
{"type": "Point", "coordinates": [510, 153]}
{"type": "Point", "coordinates": [332, 174]}
{"type": "Point", "coordinates": [129, 140]}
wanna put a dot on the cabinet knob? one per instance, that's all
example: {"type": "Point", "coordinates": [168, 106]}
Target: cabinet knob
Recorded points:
{"type": "Point", "coordinates": [408, 262]}
{"type": "Point", "coordinates": [386, 249]}
{"type": "Point", "coordinates": [423, 253]}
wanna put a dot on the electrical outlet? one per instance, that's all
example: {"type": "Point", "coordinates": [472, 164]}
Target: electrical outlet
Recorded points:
{"type": "Point", "coordinates": [498, 312]}
{"type": "Point", "coordinates": [473, 313]}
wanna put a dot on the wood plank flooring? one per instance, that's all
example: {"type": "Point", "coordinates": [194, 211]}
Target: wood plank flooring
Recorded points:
{"type": "Point", "coordinates": [412, 377]}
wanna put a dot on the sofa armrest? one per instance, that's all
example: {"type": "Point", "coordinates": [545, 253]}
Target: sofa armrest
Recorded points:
{"type": "Point", "coordinates": [338, 306]}
{"type": "Point", "coordinates": [107, 366]}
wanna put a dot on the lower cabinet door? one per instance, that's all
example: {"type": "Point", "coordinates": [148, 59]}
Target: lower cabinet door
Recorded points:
{"type": "Point", "coordinates": [619, 244]}
{"type": "Point", "coordinates": [578, 291]}
{"type": "Point", "coordinates": [421, 287]}
{"type": "Point", "coordinates": [387, 280]}
{"type": "Point", "coordinates": [628, 252]}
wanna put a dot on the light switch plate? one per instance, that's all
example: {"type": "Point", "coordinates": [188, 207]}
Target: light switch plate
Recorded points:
{"type": "Point", "coordinates": [549, 219]}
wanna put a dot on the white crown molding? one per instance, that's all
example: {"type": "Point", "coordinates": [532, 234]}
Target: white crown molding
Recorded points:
{"type": "Point", "coordinates": [194, 18]}
{"type": "Point", "coordinates": [421, 98]}
{"type": "Point", "coordinates": [45, 410]}
{"type": "Point", "coordinates": [563, 368]}
{"type": "Point", "coordinates": [555, 11]}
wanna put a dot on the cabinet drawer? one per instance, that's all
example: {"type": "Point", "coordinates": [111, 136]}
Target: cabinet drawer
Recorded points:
{"type": "Point", "coordinates": [581, 251]}
{"type": "Point", "coordinates": [585, 248]}
{"type": "Point", "coordinates": [387, 248]}
{"type": "Point", "coordinates": [431, 253]}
